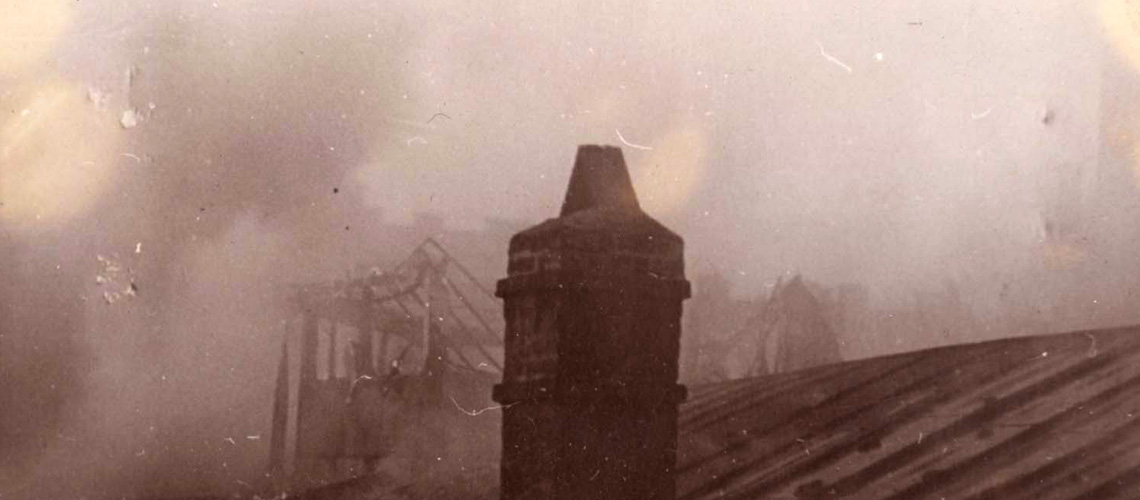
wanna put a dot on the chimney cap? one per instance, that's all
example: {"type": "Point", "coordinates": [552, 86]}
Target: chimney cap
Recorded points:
{"type": "Point", "coordinates": [601, 232]}
{"type": "Point", "coordinates": [600, 179]}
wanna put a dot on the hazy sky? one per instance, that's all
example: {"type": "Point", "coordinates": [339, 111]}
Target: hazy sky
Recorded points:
{"type": "Point", "coordinates": [197, 144]}
{"type": "Point", "coordinates": [848, 141]}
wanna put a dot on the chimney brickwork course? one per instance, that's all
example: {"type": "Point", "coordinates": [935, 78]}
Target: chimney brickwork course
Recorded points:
{"type": "Point", "coordinates": [593, 304]}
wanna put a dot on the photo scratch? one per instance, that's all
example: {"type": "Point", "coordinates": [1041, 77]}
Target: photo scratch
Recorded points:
{"type": "Point", "coordinates": [630, 144]}
{"type": "Point", "coordinates": [832, 58]}
{"type": "Point", "coordinates": [475, 413]}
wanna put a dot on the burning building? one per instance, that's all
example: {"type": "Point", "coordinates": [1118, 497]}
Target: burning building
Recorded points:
{"type": "Point", "coordinates": [591, 407]}
{"type": "Point", "coordinates": [376, 372]}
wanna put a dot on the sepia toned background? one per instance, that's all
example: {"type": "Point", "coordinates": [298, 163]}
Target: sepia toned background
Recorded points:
{"type": "Point", "coordinates": [962, 172]}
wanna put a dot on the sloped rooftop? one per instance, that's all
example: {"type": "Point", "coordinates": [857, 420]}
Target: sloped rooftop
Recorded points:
{"type": "Point", "coordinates": [1043, 418]}
{"type": "Point", "coordinates": [1049, 417]}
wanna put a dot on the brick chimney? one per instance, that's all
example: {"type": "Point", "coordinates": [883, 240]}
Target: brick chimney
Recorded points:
{"type": "Point", "coordinates": [592, 301]}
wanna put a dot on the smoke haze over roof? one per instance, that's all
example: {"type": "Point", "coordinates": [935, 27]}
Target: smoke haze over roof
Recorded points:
{"type": "Point", "coordinates": [211, 152]}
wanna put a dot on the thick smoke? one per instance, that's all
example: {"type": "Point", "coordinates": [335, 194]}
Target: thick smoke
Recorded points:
{"type": "Point", "coordinates": [166, 168]}
{"type": "Point", "coordinates": [141, 331]}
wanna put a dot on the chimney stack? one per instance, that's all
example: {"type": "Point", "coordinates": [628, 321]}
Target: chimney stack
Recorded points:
{"type": "Point", "coordinates": [592, 301]}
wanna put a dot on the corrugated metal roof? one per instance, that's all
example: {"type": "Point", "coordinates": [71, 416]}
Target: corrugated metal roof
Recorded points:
{"type": "Point", "coordinates": [1049, 417]}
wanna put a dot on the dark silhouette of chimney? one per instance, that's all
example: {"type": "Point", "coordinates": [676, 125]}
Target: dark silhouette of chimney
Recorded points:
{"type": "Point", "coordinates": [599, 179]}
{"type": "Point", "coordinates": [592, 302]}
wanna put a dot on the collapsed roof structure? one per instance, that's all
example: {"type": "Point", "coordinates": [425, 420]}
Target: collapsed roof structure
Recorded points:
{"type": "Point", "coordinates": [380, 366]}
{"type": "Point", "coordinates": [789, 329]}
{"type": "Point", "coordinates": [1045, 418]}
{"type": "Point", "coordinates": [792, 331]}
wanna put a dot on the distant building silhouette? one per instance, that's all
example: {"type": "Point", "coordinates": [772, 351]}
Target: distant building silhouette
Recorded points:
{"type": "Point", "coordinates": [793, 331]}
